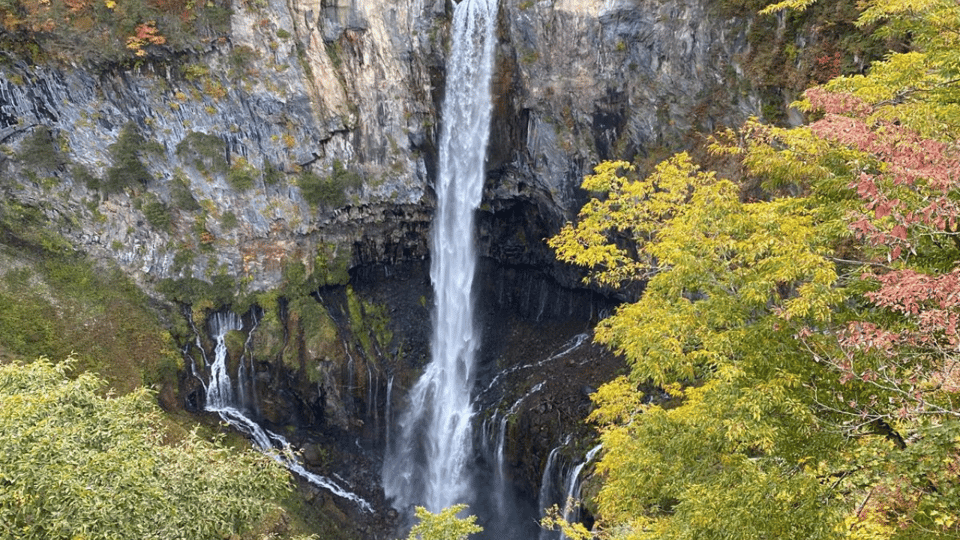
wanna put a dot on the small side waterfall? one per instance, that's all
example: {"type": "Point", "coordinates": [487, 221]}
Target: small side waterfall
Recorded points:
{"type": "Point", "coordinates": [429, 463]}
{"type": "Point", "coordinates": [220, 393]}
{"type": "Point", "coordinates": [571, 510]}
{"type": "Point", "coordinates": [227, 401]}
{"type": "Point", "coordinates": [547, 496]}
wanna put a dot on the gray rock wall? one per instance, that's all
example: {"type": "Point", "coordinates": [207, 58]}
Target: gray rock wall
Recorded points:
{"type": "Point", "coordinates": [300, 85]}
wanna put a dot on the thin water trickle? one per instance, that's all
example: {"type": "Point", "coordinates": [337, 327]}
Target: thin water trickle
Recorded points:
{"type": "Point", "coordinates": [546, 497]}
{"type": "Point", "coordinates": [428, 465]}
{"type": "Point", "coordinates": [571, 512]}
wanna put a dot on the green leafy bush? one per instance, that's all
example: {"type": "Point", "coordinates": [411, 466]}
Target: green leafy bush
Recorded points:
{"type": "Point", "coordinates": [329, 190]}
{"type": "Point", "coordinates": [128, 169]}
{"type": "Point", "coordinates": [75, 464]}
{"type": "Point", "coordinates": [444, 525]}
{"type": "Point", "coordinates": [181, 195]}
{"type": "Point", "coordinates": [39, 150]}
{"type": "Point", "coordinates": [229, 220]}
{"type": "Point", "coordinates": [157, 213]}
{"type": "Point", "coordinates": [272, 175]}
{"type": "Point", "coordinates": [220, 291]}
{"type": "Point", "coordinates": [204, 151]}
{"type": "Point", "coordinates": [242, 175]}
{"type": "Point", "coordinates": [82, 175]}
{"type": "Point", "coordinates": [241, 61]}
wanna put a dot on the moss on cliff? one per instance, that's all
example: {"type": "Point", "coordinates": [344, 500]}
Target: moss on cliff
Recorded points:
{"type": "Point", "coordinates": [59, 303]}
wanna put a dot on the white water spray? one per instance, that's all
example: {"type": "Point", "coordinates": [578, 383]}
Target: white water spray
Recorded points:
{"type": "Point", "coordinates": [429, 463]}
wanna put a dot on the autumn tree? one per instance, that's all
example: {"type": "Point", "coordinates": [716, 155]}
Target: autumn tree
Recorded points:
{"type": "Point", "coordinates": [726, 279]}
{"type": "Point", "coordinates": [805, 337]}
{"type": "Point", "coordinates": [444, 525]}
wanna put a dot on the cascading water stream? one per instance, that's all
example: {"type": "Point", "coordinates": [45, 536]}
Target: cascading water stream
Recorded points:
{"type": "Point", "coordinates": [571, 511]}
{"type": "Point", "coordinates": [222, 399]}
{"type": "Point", "coordinates": [546, 497]}
{"type": "Point", "coordinates": [428, 463]}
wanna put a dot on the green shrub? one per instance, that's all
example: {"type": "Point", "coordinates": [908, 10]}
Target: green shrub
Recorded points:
{"type": "Point", "coordinates": [39, 150]}
{"type": "Point", "coordinates": [272, 175]}
{"type": "Point", "coordinates": [205, 151]}
{"type": "Point", "coordinates": [220, 291]}
{"type": "Point", "coordinates": [240, 61]}
{"type": "Point", "coordinates": [328, 190]}
{"type": "Point", "coordinates": [82, 175]}
{"type": "Point", "coordinates": [75, 461]}
{"type": "Point", "coordinates": [242, 176]}
{"type": "Point", "coordinates": [181, 195]}
{"type": "Point", "coordinates": [332, 265]}
{"type": "Point", "coordinates": [157, 213]}
{"type": "Point", "coordinates": [128, 169]}
{"type": "Point", "coordinates": [229, 220]}
{"type": "Point", "coordinates": [194, 72]}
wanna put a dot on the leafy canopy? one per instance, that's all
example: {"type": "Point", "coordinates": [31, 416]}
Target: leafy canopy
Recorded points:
{"type": "Point", "coordinates": [444, 525]}
{"type": "Point", "coordinates": [805, 336]}
{"type": "Point", "coordinates": [77, 465]}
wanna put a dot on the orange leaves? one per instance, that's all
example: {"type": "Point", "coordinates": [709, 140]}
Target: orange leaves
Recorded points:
{"type": "Point", "coordinates": [146, 34]}
{"type": "Point", "coordinates": [908, 188]}
{"type": "Point", "coordinates": [76, 6]}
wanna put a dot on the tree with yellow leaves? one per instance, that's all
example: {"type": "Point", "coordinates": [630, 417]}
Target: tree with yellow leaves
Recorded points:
{"type": "Point", "coordinates": [806, 339]}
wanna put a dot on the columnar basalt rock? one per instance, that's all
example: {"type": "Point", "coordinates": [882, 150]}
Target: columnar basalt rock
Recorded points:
{"type": "Point", "coordinates": [312, 86]}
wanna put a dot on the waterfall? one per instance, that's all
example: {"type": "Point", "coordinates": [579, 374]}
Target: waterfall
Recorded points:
{"type": "Point", "coordinates": [429, 464]}
{"type": "Point", "coordinates": [546, 497]}
{"type": "Point", "coordinates": [571, 510]}
{"type": "Point", "coordinates": [222, 399]}
{"type": "Point", "coordinates": [220, 389]}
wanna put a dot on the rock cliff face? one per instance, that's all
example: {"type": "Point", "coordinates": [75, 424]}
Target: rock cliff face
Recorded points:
{"type": "Point", "coordinates": [305, 139]}
{"type": "Point", "coordinates": [322, 87]}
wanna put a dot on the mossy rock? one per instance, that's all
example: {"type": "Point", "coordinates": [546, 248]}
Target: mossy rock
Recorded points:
{"type": "Point", "coordinates": [235, 341]}
{"type": "Point", "coordinates": [267, 341]}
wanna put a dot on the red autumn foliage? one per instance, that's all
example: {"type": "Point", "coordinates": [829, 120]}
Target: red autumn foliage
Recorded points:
{"type": "Point", "coordinates": [909, 200]}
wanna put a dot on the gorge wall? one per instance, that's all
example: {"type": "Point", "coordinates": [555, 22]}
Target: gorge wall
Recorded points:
{"type": "Point", "coordinates": [285, 170]}
{"type": "Point", "coordinates": [349, 92]}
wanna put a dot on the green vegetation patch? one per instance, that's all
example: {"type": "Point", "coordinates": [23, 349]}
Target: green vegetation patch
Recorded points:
{"type": "Point", "coordinates": [128, 169]}
{"type": "Point", "coordinates": [57, 303]}
{"type": "Point", "coordinates": [76, 462]}
{"type": "Point", "coordinates": [39, 150]}
{"type": "Point", "coordinates": [369, 322]}
{"type": "Point", "coordinates": [206, 152]}
{"type": "Point", "coordinates": [157, 213]}
{"type": "Point", "coordinates": [329, 190]}
{"type": "Point", "coordinates": [242, 175]}
{"type": "Point", "coordinates": [180, 193]}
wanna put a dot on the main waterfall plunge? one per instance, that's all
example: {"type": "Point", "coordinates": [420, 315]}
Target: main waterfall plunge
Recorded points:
{"type": "Point", "coordinates": [450, 443]}
{"type": "Point", "coordinates": [426, 464]}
